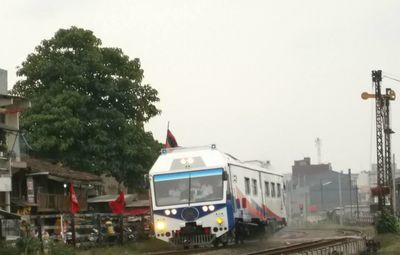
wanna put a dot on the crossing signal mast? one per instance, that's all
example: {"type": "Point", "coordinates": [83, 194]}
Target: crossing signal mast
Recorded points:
{"type": "Point", "coordinates": [383, 143]}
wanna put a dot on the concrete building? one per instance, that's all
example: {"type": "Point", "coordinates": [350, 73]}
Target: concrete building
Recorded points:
{"type": "Point", "coordinates": [316, 188]}
{"type": "Point", "coordinates": [10, 154]}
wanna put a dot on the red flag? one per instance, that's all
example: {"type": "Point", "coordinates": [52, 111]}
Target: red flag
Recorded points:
{"type": "Point", "coordinates": [118, 205]}
{"type": "Point", "coordinates": [171, 141]}
{"type": "Point", "coordinates": [73, 202]}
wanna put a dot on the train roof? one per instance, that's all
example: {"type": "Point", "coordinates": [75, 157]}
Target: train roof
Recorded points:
{"type": "Point", "coordinates": [191, 158]}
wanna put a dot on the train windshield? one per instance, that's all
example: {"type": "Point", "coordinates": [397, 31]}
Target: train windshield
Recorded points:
{"type": "Point", "coordinates": [173, 189]}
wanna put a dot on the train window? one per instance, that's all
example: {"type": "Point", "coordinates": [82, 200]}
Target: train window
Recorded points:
{"type": "Point", "coordinates": [247, 185]}
{"type": "Point", "coordinates": [278, 186]}
{"type": "Point", "coordinates": [267, 190]}
{"type": "Point", "coordinates": [273, 189]}
{"type": "Point", "coordinates": [254, 182]}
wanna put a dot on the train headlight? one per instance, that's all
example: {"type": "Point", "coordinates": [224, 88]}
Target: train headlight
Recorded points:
{"type": "Point", "coordinates": [160, 226]}
{"type": "Point", "coordinates": [220, 220]}
{"type": "Point", "coordinates": [167, 212]}
{"type": "Point", "coordinates": [205, 208]}
{"type": "Point", "coordinates": [173, 211]}
{"type": "Point", "coordinates": [211, 208]}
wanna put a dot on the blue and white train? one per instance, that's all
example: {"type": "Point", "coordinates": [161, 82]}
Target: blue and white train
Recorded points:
{"type": "Point", "coordinates": [203, 196]}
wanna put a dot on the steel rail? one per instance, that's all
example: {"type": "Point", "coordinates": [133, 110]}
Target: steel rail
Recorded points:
{"type": "Point", "coordinates": [302, 247]}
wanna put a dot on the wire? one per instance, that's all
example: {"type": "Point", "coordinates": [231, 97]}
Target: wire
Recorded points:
{"type": "Point", "coordinates": [391, 78]}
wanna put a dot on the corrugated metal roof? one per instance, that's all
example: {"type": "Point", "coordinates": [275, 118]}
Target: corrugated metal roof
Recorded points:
{"type": "Point", "coordinates": [41, 166]}
{"type": "Point", "coordinates": [109, 198]}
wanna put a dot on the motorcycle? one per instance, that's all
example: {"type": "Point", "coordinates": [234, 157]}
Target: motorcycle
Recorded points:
{"type": "Point", "coordinates": [68, 238]}
{"type": "Point", "coordinates": [130, 234]}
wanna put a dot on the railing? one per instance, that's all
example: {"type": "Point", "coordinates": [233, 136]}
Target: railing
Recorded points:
{"type": "Point", "coordinates": [343, 246]}
{"type": "Point", "coordinates": [58, 202]}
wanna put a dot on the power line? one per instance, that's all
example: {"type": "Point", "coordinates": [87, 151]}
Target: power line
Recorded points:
{"type": "Point", "coordinates": [391, 78]}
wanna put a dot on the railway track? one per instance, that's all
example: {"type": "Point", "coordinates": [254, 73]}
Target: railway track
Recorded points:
{"type": "Point", "coordinates": [342, 240]}
{"type": "Point", "coordinates": [331, 246]}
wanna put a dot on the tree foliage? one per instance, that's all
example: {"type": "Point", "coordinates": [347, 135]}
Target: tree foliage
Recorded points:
{"type": "Point", "coordinates": [387, 222]}
{"type": "Point", "coordinates": [88, 105]}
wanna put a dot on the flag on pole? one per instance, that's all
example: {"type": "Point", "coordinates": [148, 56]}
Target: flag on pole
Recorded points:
{"type": "Point", "coordinates": [73, 202]}
{"type": "Point", "coordinates": [118, 205]}
{"type": "Point", "coordinates": [171, 141]}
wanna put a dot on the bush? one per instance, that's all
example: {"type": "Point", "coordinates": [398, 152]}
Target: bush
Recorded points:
{"type": "Point", "coordinates": [28, 245]}
{"type": "Point", "coordinates": [5, 250]}
{"type": "Point", "coordinates": [57, 248]}
{"type": "Point", "coordinates": [387, 223]}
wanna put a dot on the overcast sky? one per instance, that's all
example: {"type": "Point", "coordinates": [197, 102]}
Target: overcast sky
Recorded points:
{"type": "Point", "coordinates": [261, 79]}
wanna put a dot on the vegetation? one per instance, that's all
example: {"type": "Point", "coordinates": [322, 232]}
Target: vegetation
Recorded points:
{"type": "Point", "coordinates": [389, 243]}
{"type": "Point", "coordinates": [58, 248]}
{"type": "Point", "coordinates": [27, 246]}
{"type": "Point", "coordinates": [89, 106]}
{"type": "Point", "coordinates": [387, 223]}
{"type": "Point", "coordinates": [152, 245]}
{"type": "Point", "coordinates": [7, 250]}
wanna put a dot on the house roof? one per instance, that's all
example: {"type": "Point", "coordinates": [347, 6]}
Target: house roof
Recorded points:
{"type": "Point", "coordinates": [39, 167]}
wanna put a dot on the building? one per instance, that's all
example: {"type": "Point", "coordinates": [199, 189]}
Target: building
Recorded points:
{"type": "Point", "coordinates": [10, 155]}
{"type": "Point", "coordinates": [43, 187]}
{"type": "Point", "coordinates": [314, 188]}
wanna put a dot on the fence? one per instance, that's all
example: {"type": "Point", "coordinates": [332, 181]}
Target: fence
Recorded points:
{"type": "Point", "coordinates": [77, 229]}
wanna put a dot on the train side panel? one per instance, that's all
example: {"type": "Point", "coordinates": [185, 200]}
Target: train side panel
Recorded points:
{"type": "Point", "coordinates": [258, 196]}
{"type": "Point", "coordinates": [273, 193]}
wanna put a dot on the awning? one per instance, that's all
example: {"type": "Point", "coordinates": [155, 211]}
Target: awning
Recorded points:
{"type": "Point", "coordinates": [109, 198]}
{"type": "Point", "coordinates": [138, 203]}
{"type": "Point", "coordinates": [6, 215]}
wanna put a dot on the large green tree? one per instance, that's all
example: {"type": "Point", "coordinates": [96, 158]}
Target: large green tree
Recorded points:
{"type": "Point", "coordinates": [88, 106]}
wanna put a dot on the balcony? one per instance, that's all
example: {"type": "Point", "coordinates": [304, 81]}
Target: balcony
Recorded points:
{"type": "Point", "coordinates": [59, 202]}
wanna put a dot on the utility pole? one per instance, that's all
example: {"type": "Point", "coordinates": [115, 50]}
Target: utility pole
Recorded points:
{"type": "Point", "coordinates": [322, 194]}
{"type": "Point", "coordinates": [350, 189]}
{"type": "Point", "coordinates": [290, 183]}
{"type": "Point", "coordinates": [305, 207]}
{"type": "Point", "coordinates": [358, 208]}
{"type": "Point", "coordinates": [340, 198]}
{"type": "Point", "coordinates": [394, 186]}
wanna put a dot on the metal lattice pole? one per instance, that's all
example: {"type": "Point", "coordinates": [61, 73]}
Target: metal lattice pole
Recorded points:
{"type": "Point", "coordinates": [379, 103]}
{"type": "Point", "coordinates": [388, 131]}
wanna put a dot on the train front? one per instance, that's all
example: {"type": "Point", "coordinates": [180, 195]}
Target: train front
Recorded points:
{"type": "Point", "coordinates": [189, 205]}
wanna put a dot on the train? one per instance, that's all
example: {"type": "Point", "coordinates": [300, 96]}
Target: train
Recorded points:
{"type": "Point", "coordinates": [202, 196]}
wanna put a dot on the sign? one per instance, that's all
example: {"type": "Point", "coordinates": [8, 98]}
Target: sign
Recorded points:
{"type": "Point", "coordinates": [5, 184]}
{"type": "Point", "coordinates": [29, 190]}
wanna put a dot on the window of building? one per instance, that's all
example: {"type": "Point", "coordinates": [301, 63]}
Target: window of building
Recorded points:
{"type": "Point", "coordinates": [278, 187]}
{"type": "Point", "coordinates": [273, 189]}
{"type": "Point", "coordinates": [247, 185]}
{"type": "Point", "coordinates": [254, 182]}
{"type": "Point", "coordinates": [267, 191]}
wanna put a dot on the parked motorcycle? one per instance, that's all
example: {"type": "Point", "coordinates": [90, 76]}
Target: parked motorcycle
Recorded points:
{"type": "Point", "coordinates": [68, 238]}
{"type": "Point", "coordinates": [131, 234]}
